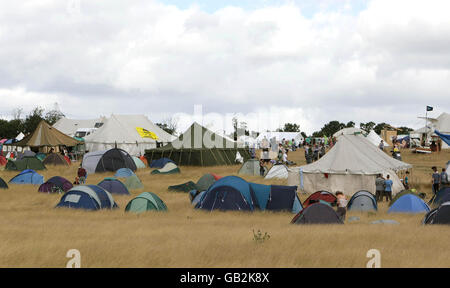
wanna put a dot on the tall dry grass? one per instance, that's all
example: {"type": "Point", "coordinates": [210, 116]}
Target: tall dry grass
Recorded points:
{"type": "Point", "coordinates": [34, 234]}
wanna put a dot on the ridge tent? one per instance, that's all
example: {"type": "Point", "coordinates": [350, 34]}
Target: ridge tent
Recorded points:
{"type": "Point", "coordinates": [191, 149]}
{"type": "Point", "coordinates": [159, 163]}
{"type": "Point", "coordinates": [55, 159]}
{"type": "Point", "coordinates": [362, 201]}
{"type": "Point", "coordinates": [351, 165]}
{"type": "Point", "coordinates": [56, 184]}
{"type": "Point", "coordinates": [145, 202]}
{"type": "Point", "coordinates": [25, 163]}
{"type": "Point", "coordinates": [28, 176]}
{"type": "Point", "coordinates": [250, 167]}
{"type": "Point", "coordinates": [169, 168]}
{"type": "Point", "coordinates": [114, 186]}
{"type": "Point", "coordinates": [111, 160]}
{"type": "Point", "coordinates": [138, 162]}
{"type": "Point", "coordinates": [318, 196]}
{"type": "Point", "coordinates": [133, 183]}
{"type": "Point", "coordinates": [46, 136]}
{"type": "Point", "coordinates": [440, 215]}
{"type": "Point", "coordinates": [124, 173]}
{"type": "Point", "coordinates": [121, 131]}
{"type": "Point", "coordinates": [317, 213]}
{"type": "Point", "coordinates": [3, 184]}
{"type": "Point", "coordinates": [279, 171]}
{"type": "Point", "coordinates": [348, 131]}
{"type": "Point", "coordinates": [89, 197]}
{"type": "Point", "coordinates": [409, 204]}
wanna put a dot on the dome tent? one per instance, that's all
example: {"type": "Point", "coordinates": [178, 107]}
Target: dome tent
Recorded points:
{"type": "Point", "coordinates": [440, 215]}
{"type": "Point", "coordinates": [3, 184]}
{"type": "Point", "coordinates": [124, 173]}
{"type": "Point", "coordinates": [317, 213]}
{"type": "Point", "coordinates": [250, 167]}
{"type": "Point", "coordinates": [89, 197]}
{"type": "Point", "coordinates": [320, 196]}
{"type": "Point", "coordinates": [409, 203]}
{"type": "Point", "coordinates": [114, 186]}
{"type": "Point", "coordinates": [169, 168]}
{"type": "Point", "coordinates": [28, 176]}
{"type": "Point", "coordinates": [27, 162]}
{"type": "Point", "coordinates": [110, 160]}
{"type": "Point", "coordinates": [279, 171]}
{"type": "Point", "coordinates": [362, 201]}
{"type": "Point", "coordinates": [159, 163]}
{"type": "Point", "coordinates": [133, 183]}
{"type": "Point", "coordinates": [55, 159]}
{"type": "Point", "coordinates": [56, 184]}
{"type": "Point", "coordinates": [145, 202]}
{"type": "Point", "coordinates": [139, 163]}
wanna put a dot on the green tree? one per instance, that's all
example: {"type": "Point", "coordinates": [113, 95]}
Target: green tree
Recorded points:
{"type": "Point", "coordinates": [404, 130]}
{"type": "Point", "coordinates": [32, 120]}
{"type": "Point", "coordinates": [330, 128]}
{"type": "Point", "coordinates": [380, 127]}
{"type": "Point", "coordinates": [350, 124]}
{"type": "Point", "coordinates": [53, 116]}
{"type": "Point", "coordinates": [367, 126]}
{"type": "Point", "coordinates": [290, 127]}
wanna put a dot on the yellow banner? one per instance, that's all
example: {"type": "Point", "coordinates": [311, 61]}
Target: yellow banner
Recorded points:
{"type": "Point", "coordinates": [146, 134]}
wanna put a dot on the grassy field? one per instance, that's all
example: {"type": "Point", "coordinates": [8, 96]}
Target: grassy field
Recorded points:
{"type": "Point", "coordinates": [33, 234]}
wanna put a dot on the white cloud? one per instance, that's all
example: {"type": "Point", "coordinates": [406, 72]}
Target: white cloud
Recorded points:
{"type": "Point", "coordinates": [383, 64]}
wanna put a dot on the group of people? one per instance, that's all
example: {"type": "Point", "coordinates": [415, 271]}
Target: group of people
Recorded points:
{"type": "Point", "coordinates": [439, 180]}
{"type": "Point", "coordinates": [383, 187]}
{"type": "Point", "coordinates": [314, 152]}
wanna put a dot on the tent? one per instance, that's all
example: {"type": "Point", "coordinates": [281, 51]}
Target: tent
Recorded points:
{"type": "Point", "coordinates": [41, 156]}
{"type": "Point", "coordinates": [348, 131]}
{"type": "Point", "coordinates": [111, 160]}
{"type": "Point", "coordinates": [55, 159]}
{"type": "Point", "coordinates": [317, 213]}
{"type": "Point", "coordinates": [441, 197]}
{"type": "Point", "coordinates": [28, 176]}
{"type": "Point", "coordinates": [89, 197]}
{"type": "Point", "coordinates": [122, 131]}
{"type": "Point", "coordinates": [202, 184]}
{"type": "Point", "coordinates": [362, 201]}
{"type": "Point", "coordinates": [409, 204]}
{"type": "Point", "coordinates": [56, 184]}
{"type": "Point", "coordinates": [169, 168]}
{"type": "Point", "coordinates": [70, 126]}
{"type": "Point", "coordinates": [250, 167]}
{"type": "Point", "coordinates": [234, 193]}
{"type": "Point", "coordinates": [114, 186]}
{"type": "Point", "coordinates": [159, 163]}
{"type": "Point", "coordinates": [279, 171]}
{"type": "Point", "coordinates": [3, 160]}
{"type": "Point", "coordinates": [185, 187]}
{"type": "Point", "coordinates": [320, 196]}
{"type": "Point", "coordinates": [46, 136]}
{"type": "Point", "coordinates": [133, 183]}
{"type": "Point", "coordinates": [139, 163]}
{"type": "Point", "coordinates": [124, 173]}
{"type": "Point", "coordinates": [441, 124]}
{"type": "Point", "coordinates": [25, 163]}
{"type": "Point", "coordinates": [400, 194]}
{"type": "Point", "coordinates": [440, 215]}
{"type": "Point", "coordinates": [27, 153]}
{"type": "Point", "coordinates": [3, 184]}
{"type": "Point", "coordinates": [199, 146]}
{"type": "Point", "coordinates": [375, 139]}
{"type": "Point", "coordinates": [351, 165]}
{"type": "Point", "coordinates": [146, 201]}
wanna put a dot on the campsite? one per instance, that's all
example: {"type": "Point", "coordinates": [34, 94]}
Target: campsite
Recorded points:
{"type": "Point", "coordinates": [35, 234]}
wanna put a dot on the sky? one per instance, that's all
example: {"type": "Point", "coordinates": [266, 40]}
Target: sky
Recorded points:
{"type": "Point", "coordinates": [266, 61]}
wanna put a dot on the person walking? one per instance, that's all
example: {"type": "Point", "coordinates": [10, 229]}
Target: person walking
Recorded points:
{"type": "Point", "coordinates": [379, 186]}
{"type": "Point", "coordinates": [388, 188]}
{"type": "Point", "coordinates": [82, 173]}
{"type": "Point", "coordinates": [436, 179]}
{"type": "Point", "coordinates": [341, 205]}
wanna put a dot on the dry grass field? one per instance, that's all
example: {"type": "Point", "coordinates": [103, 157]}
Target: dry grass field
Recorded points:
{"type": "Point", "coordinates": [34, 234]}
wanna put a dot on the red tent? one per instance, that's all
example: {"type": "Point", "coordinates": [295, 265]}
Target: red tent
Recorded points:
{"type": "Point", "coordinates": [320, 196]}
{"type": "Point", "coordinates": [3, 160]}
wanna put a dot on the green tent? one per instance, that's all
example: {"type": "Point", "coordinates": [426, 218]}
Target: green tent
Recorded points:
{"type": "Point", "coordinates": [133, 182]}
{"type": "Point", "coordinates": [190, 149]}
{"type": "Point", "coordinates": [169, 168]}
{"type": "Point", "coordinates": [27, 162]}
{"type": "Point", "coordinates": [145, 202]}
{"type": "Point", "coordinates": [41, 156]}
{"type": "Point", "coordinates": [138, 162]}
{"type": "Point", "coordinates": [185, 187]}
{"type": "Point", "coordinates": [205, 182]}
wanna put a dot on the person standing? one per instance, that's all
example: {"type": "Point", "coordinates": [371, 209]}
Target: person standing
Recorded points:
{"type": "Point", "coordinates": [436, 179]}
{"type": "Point", "coordinates": [379, 186]}
{"type": "Point", "coordinates": [341, 205]}
{"type": "Point", "coordinates": [406, 181]}
{"type": "Point", "coordinates": [82, 175]}
{"type": "Point", "coordinates": [388, 188]}
{"type": "Point", "coordinates": [444, 178]}
{"type": "Point", "coordinates": [381, 145]}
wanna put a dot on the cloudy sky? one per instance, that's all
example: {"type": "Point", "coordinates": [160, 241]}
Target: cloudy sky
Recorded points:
{"type": "Point", "coordinates": [307, 61]}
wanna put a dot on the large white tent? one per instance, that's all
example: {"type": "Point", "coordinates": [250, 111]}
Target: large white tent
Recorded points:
{"type": "Point", "coordinates": [120, 131]}
{"type": "Point", "coordinates": [348, 131]}
{"type": "Point", "coordinates": [351, 165]}
{"type": "Point", "coordinates": [375, 139]}
{"type": "Point", "coordinates": [70, 126]}
{"type": "Point", "coordinates": [441, 124]}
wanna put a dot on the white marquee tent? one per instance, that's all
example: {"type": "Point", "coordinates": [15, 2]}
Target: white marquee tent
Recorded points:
{"type": "Point", "coordinates": [70, 126]}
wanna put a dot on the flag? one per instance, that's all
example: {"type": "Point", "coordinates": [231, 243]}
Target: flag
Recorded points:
{"type": "Point", "coordinates": [144, 133]}
{"type": "Point", "coordinates": [429, 108]}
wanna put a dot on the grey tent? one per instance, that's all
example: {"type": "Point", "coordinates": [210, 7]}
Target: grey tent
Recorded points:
{"type": "Point", "coordinates": [362, 201]}
{"type": "Point", "coordinates": [251, 167]}
{"type": "Point", "coordinates": [199, 146]}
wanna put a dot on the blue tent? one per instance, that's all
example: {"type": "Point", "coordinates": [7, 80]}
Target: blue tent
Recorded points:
{"type": "Point", "coordinates": [444, 137]}
{"type": "Point", "coordinates": [160, 163]}
{"type": "Point", "coordinates": [234, 193]}
{"type": "Point", "coordinates": [409, 203]}
{"type": "Point", "coordinates": [114, 186]}
{"type": "Point", "coordinates": [89, 197]}
{"type": "Point", "coordinates": [124, 173]}
{"type": "Point", "coordinates": [28, 176]}
{"type": "Point", "coordinates": [441, 196]}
